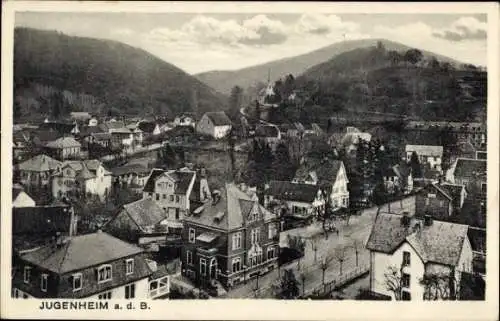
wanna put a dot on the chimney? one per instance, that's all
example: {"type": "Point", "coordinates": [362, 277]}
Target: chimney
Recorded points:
{"type": "Point", "coordinates": [427, 220]}
{"type": "Point", "coordinates": [405, 219]}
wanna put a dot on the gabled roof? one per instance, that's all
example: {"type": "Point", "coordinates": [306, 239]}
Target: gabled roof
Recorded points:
{"type": "Point", "coordinates": [145, 212]}
{"type": "Point", "coordinates": [149, 187]}
{"type": "Point", "coordinates": [81, 252]}
{"type": "Point", "coordinates": [147, 127]}
{"type": "Point", "coordinates": [441, 242]}
{"type": "Point", "coordinates": [218, 118]}
{"type": "Point", "coordinates": [466, 167]}
{"type": "Point", "coordinates": [182, 179]}
{"type": "Point", "coordinates": [427, 150]}
{"type": "Point", "coordinates": [289, 191]}
{"type": "Point", "coordinates": [454, 190]}
{"type": "Point", "coordinates": [325, 169]}
{"type": "Point", "coordinates": [63, 142]}
{"type": "Point", "coordinates": [234, 204]}
{"type": "Point", "coordinates": [39, 163]}
{"type": "Point", "coordinates": [440, 190]}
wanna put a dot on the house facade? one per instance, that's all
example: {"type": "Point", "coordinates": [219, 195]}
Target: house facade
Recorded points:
{"type": "Point", "coordinates": [69, 269]}
{"type": "Point", "coordinates": [431, 155]}
{"type": "Point", "coordinates": [87, 177]}
{"type": "Point", "coordinates": [214, 124]}
{"type": "Point", "coordinates": [434, 200]}
{"type": "Point", "coordinates": [37, 172]}
{"type": "Point", "coordinates": [471, 173]}
{"type": "Point", "coordinates": [64, 148]}
{"type": "Point", "coordinates": [184, 120]}
{"type": "Point", "coordinates": [133, 176]}
{"type": "Point", "coordinates": [171, 190]}
{"type": "Point", "coordinates": [229, 240]}
{"type": "Point", "coordinates": [406, 253]}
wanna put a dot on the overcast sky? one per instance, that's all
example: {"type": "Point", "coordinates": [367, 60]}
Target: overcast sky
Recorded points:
{"type": "Point", "coordinates": [202, 42]}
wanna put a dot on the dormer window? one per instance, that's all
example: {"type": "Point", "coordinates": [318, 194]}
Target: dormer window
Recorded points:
{"type": "Point", "coordinates": [129, 265]}
{"type": "Point", "coordinates": [104, 273]}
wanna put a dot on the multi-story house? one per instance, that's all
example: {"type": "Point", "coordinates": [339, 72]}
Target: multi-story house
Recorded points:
{"type": "Point", "coordinates": [36, 172]}
{"type": "Point", "coordinates": [71, 268]}
{"type": "Point", "coordinates": [431, 155]}
{"type": "Point", "coordinates": [229, 240]}
{"type": "Point", "coordinates": [132, 176]}
{"type": "Point", "coordinates": [171, 190]}
{"type": "Point", "coordinates": [302, 200]}
{"type": "Point", "coordinates": [215, 124]}
{"type": "Point", "coordinates": [471, 173]}
{"type": "Point", "coordinates": [64, 148]}
{"type": "Point", "coordinates": [413, 253]}
{"type": "Point", "coordinates": [88, 177]}
{"type": "Point", "coordinates": [329, 175]}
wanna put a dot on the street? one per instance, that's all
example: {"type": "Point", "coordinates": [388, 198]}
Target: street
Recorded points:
{"type": "Point", "coordinates": [349, 238]}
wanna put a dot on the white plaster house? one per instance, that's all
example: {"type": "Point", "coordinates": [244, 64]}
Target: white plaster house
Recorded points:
{"type": "Point", "coordinates": [427, 154]}
{"type": "Point", "coordinates": [215, 124]}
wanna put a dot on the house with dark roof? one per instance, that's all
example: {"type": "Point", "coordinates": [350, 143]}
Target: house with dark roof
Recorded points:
{"type": "Point", "coordinates": [435, 200]}
{"type": "Point", "coordinates": [412, 250]}
{"type": "Point", "coordinates": [88, 177]}
{"type": "Point", "coordinates": [90, 266]}
{"type": "Point", "coordinates": [471, 173]}
{"type": "Point", "coordinates": [64, 148]}
{"type": "Point", "coordinates": [302, 200]}
{"type": "Point", "coordinates": [171, 190]}
{"type": "Point", "coordinates": [20, 198]}
{"type": "Point", "coordinates": [36, 172]}
{"type": "Point", "coordinates": [330, 175]}
{"type": "Point", "coordinates": [229, 240]}
{"type": "Point", "coordinates": [215, 124]}
{"type": "Point", "coordinates": [149, 128]}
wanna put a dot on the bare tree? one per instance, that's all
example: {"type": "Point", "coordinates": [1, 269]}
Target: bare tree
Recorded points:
{"type": "Point", "coordinates": [324, 264]}
{"type": "Point", "coordinates": [340, 256]}
{"type": "Point", "coordinates": [303, 282]}
{"type": "Point", "coordinates": [314, 247]}
{"type": "Point", "coordinates": [393, 281]}
{"type": "Point", "coordinates": [356, 246]}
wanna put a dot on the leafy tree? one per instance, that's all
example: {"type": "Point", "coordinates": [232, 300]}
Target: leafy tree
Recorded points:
{"type": "Point", "coordinates": [289, 285]}
{"type": "Point", "coordinates": [379, 196]}
{"type": "Point", "coordinates": [413, 56]}
{"type": "Point", "coordinates": [394, 57]}
{"type": "Point", "coordinates": [235, 102]}
{"type": "Point", "coordinates": [283, 169]}
{"type": "Point", "coordinates": [439, 286]}
{"type": "Point", "coordinates": [416, 168]}
{"type": "Point", "coordinates": [434, 63]}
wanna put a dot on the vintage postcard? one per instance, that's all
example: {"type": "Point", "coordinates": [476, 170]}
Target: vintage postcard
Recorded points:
{"type": "Point", "coordinates": [226, 160]}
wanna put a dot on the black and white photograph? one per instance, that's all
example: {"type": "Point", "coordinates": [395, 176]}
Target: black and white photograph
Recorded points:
{"type": "Point", "coordinates": [248, 155]}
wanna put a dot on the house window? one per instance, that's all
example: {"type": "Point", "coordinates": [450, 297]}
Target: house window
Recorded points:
{"type": "Point", "coordinates": [189, 257]}
{"type": "Point", "coordinates": [130, 291]}
{"type": "Point", "coordinates": [405, 280]}
{"type": "Point", "coordinates": [255, 235]}
{"type": "Point", "coordinates": [236, 264]}
{"type": "Point", "coordinates": [129, 266]}
{"type": "Point", "coordinates": [236, 240]}
{"type": "Point", "coordinates": [77, 281]}
{"type": "Point", "coordinates": [27, 274]}
{"type": "Point", "coordinates": [272, 230]}
{"type": "Point", "coordinates": [157, 196]}
{"type": "Point", "coordinates": [177, 198]}
{"type": "Point", "coordinates": [203, 267]}
{"type": "Point", "coordinates": [255, 215]}
{"type": "Point", "coordinates": [171, 198]}
{"type": "Point", "coordinates": [44, 281]}
{"type": "Point", "coordinates": [104, 273]}
{"type": "Point", "coordinates": [104, 296]}
{"type": "Point", "coordinates": [406, 258]}
{"type": "Point", "coordinates": [270, 253]}
{"type": "Point", "coordinates": [164, 196]}
{"type": "Point", "coordinates": [406, 296]}
{"type": "Point", "coordinates": [192, 235]}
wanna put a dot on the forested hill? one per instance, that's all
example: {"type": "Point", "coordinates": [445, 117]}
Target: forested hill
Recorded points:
{"type": "Point", "coordinates": [377, 79]}
{"type": "Point", "coordinates": [120, 78]}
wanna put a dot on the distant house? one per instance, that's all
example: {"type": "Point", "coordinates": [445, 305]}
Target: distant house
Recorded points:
{"type": "Point", "coordinates": [102, 139]}
{"type": "Point", "coordinates": [184, 120]}
{"type": "Point", "coordinates": [64, 148]}
{"type": "Point", "coordinates": [229, 240]}
{"type": "Point", "coordinates": [126, 137]}
{"type": "Point", "coordinates": [438, 201]}
{"type": "Point", "coordinates": [72, 268]}
{"type": "Point", "coordinates": [171, 190]}
{"type": "Point", "coordinates": [215, 124]}
{"type": "Point", "coordinates": [149, 128]}
{"type": "Point", "coordinates": [139, 222]}
{"type": "Point", "coordinates": [268, 133]}
{"type": "Point", "coordinates": [20, 198]}
{"type": "Point", "coordinates": [36, 172]}
{"type": "Point", "coordinates": [431, 155]}
{"type": "Point", "coordinates": [471, 173]}
{"type": "Point", "coordinates": [93, 122]}
{"type": "Point", "coordinates": [133, 176]}
{"type": "Point", "coordinates": [81, 116]}
{"type": "Point", "coordinates": [409, 249]}
{"type": "Point", "coordinates": [352, 138]}
{"type": "Point", "coordinates": [81, 177]}
{"type": "Point", "coordinates": [328, 174]}
{"type": "Point", "coordinates": [303, 200]}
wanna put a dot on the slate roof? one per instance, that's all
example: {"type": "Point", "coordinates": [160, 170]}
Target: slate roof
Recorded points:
{"type": "Point", "coordinates": [85, 169]}
{"type": "Point", "coordinates": [182, 179]}
{"type": "Point", "coordinates": [234, 204]}
{"type": "Point", "coordinates": [147, 127]}
{"type": "Point", "coordinates": [267, 131]}
{"type": "Point", "coordinates": [39, 163]}
{"type": "Point", "coordinates": [218, 118]}
{"type": "Point", "coordinates": [466, 167]}
{"type": "Point", "coordinates": [325, 169]}
{"type": "Point", "coordinates": [425, 150]}
{"type": "Point", "coordinates": [289, 191]}
{"type": "Point", "coordinates": [441, 242]}
{"type": "Point", "coordinates": [101, 136]}
{"type": "Point", "coordinates": [81, 252]}
{"type": "Point", "coordinates": [63, 142]}
{"type": "Point", "coordinates": [145, 212]}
